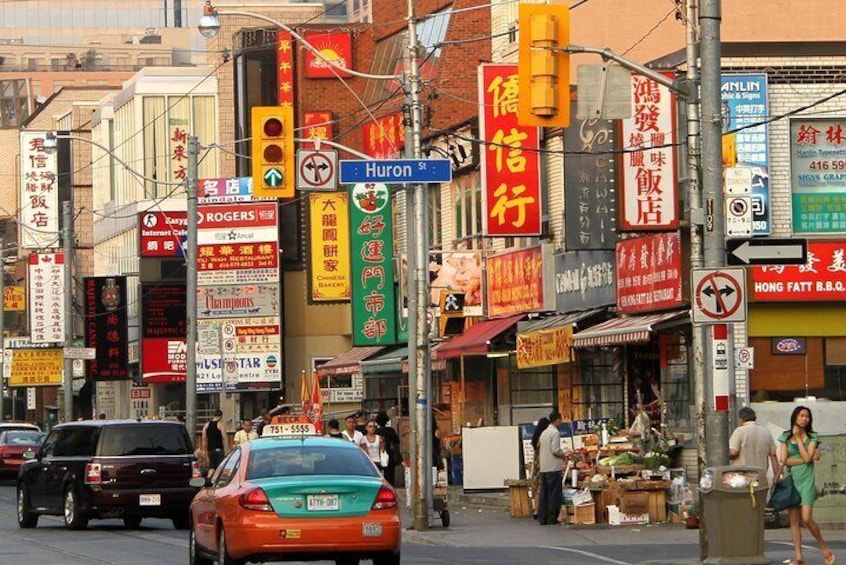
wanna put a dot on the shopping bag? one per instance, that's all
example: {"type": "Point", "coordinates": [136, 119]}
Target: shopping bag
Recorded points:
{"type": "Point", "coordinates": [785, 495]}
{"type": "Point", "coordinates": [384, 459]}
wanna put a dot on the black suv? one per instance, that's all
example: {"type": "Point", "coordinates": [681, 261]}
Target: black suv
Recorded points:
{"type": "Point", "coordinates": [110, 469]}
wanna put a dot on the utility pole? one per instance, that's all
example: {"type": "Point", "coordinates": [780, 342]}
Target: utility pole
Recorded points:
{"type": "Point", "coordinates": [192, 178]}
{"type": "Point", "coordinates": [710, 14]}
{"type": "Point", "coordinates": [67, 380]}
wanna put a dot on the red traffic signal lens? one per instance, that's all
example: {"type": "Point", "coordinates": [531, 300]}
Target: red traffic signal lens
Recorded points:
{"type": "Point", "coordinates": [273, 127]}
{"type": "Point", "coordinates": [273, 153]}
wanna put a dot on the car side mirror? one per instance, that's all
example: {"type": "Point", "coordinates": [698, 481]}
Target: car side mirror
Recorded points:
{"type": "Point", "coordinates": [199, 482]}
{"type": "Point", "coordinates": [29, 454]}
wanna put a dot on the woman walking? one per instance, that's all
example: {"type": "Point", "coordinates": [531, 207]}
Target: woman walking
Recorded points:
{"type": "Point", "coordinates": [542, 424]}
{"type": "Point", "coordinates": [373, 445]}
{"type": "Point", "coordinates": [797, 452]}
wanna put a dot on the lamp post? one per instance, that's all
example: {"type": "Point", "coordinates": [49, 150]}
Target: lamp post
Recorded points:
{"type": "Point", "coordinates": [418, 359]}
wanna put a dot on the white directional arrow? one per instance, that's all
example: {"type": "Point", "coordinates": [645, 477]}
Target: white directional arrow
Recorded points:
{"type": "Point", "coordinates": [748, 253]}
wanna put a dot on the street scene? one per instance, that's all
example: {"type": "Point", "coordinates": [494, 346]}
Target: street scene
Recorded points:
{"type": "Point", "coordinates": [466, 281]}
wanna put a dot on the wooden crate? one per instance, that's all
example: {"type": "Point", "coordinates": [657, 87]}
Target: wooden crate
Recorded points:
{"type": "Point", "coordinates": [521, 505]}
{"type": "Point", "coordinates": [584, 514]}
{"type": "Point", "coordinates": [657, 505]}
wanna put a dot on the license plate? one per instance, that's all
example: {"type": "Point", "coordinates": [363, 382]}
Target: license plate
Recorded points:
{"type": "Point", "coordinates": [371, 530]}
{"type": "Point", "coordinates": [322, 502]}
{"type": "Point", "coordinates": [150, 500]}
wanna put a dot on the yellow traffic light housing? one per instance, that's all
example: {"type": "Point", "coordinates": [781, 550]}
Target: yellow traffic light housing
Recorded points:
{"type": "Point", "coordinates": [543, 65]}
{"type": "Point", "coordinates": [273, 152]}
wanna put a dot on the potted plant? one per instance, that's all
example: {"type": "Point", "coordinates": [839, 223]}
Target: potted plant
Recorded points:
{"type": "Point", "coordinates": [691, 516]}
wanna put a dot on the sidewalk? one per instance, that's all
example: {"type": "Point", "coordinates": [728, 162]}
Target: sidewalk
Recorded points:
{"type": "Point", "coordinates": [481, 519]}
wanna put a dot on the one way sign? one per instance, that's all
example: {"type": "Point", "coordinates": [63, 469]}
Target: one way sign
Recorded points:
{"type": "Point", "coordinates": [719, 295]}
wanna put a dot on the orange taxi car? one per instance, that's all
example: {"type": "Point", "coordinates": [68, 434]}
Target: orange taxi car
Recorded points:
{"type": "Point", "coordinates": [297, 498]}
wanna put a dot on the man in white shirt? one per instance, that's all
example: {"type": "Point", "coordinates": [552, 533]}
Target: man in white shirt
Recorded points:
{"type": "Point", "coordinates": [350, 433]}
{"type": "Point", "coordinates": [246, 433]}
{"type": "Point", "coordinates": [752, 444]}
{"type": "Point", "coordinates": [550, 456]}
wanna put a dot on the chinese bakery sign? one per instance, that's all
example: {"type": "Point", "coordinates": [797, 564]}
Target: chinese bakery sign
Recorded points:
{"type": "Point", "coordinates": [39, 202]}
{"type": "Point", "coordinates": [330, 246]}
{"type": "Point", "coordinates": [649, 273]}
{"type": "Point", "coordinates": [372, 254]}
{"type": "Point", "coordinates": [510, 158]}
{"type": "Point", "coordinates": [649, 193]}
{"type": "Point", "coordinates": [822, 278]}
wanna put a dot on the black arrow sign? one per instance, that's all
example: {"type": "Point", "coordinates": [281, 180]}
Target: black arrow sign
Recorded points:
{"type": "Point", "coordinates": [725, 291]}
{"type": "Point", "coordinates": [766, 251]}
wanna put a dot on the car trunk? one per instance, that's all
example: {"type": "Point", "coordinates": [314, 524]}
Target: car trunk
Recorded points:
{"type": "Point", "coordinates": [320, 496]}
{"type": "Point", "coordinates": [170, 471]}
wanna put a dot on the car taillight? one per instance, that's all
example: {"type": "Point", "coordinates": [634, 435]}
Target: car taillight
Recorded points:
{"type": "Point", "coordinates": [255, 499]}
{"type": "Point", "coordinates": [92, 474]}
{"type": "Point", "coordinates": [386, 498]}
{"type": "Point", "coordinates": [196, 471]}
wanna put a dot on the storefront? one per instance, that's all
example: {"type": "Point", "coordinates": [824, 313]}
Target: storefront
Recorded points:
{"type": "Point", "coordinates": [341, 381]}
{"type": "Point", "coordinates": [385, 383]}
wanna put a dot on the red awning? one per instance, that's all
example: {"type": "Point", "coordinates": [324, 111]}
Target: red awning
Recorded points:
{"type": "Point", "coordinates": [475, 339]}
{"type": "Point", "coordinates": [619, 331]}
{"type": "Point", "coordinates": [348, 361]}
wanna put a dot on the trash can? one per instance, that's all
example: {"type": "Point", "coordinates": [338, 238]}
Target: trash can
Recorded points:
{"type": "Point", "coordinates": [734, 499]}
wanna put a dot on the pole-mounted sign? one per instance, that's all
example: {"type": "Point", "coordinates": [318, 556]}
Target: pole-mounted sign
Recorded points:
{"type": "Point", "coordinates": [766, 251]}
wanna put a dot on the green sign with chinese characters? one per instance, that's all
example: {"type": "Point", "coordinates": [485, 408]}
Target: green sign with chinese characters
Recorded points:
{"type": "Point", "coordinates": [373, 302]}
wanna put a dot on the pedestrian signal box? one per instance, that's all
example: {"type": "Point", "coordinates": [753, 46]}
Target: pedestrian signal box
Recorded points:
{"type": "Point", "coordinates": [544, 65]}
{"type": "Point", "coordinates": [273, 152]}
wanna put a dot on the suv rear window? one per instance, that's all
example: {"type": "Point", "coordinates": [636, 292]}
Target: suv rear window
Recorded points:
{"type": "Point", "coordinates": [144, 440]}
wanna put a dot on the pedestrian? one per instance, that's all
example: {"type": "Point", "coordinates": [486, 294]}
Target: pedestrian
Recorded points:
{"type": "Point", "coordinates": [373, 445]}
{"type": "Point", "coordinates": [350, 433]}
{"type": "Point", "coordinates": [246, 433]}
{"type": "Point", "coordinates": [550, 457]}
{"type": "Point", "coordinates": [542, 424]}
{"type": "Point", "coordinates": [333, 429]}
{"type": "Point", "coordinates": [392, 445]}
{"type": "Point", "coordinates": [360, 422]}
{"type": "Point", "coordinates": [797, 449]}
{"type": "Point", "coordinates": [437, 458]}
{"type": "Point", "coordinates": [265, 419]}
{"type": "Point", "coordinates": [214, 439]}
{"type": "Point", "coordinates": [752, 444]}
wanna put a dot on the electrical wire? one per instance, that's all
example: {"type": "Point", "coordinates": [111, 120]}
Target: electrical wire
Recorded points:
{"type": "Point", "coordinates": [649, 33]}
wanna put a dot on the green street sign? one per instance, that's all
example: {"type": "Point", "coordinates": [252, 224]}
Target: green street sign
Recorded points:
{"type": "Point", "coordinates": [273, 177]}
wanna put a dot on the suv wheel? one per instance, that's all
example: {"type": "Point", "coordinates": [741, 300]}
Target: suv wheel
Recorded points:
{"type": "Point", "coordinates": [132, 522]}
{"type": "Point", "coordinates": [194, 553]}
{"type": "Point", "coordinates": [26, 518]}
{"type": "Point", "coordinates": [74, 520]}
{"type": "Point", "coordinates": [223, 555]}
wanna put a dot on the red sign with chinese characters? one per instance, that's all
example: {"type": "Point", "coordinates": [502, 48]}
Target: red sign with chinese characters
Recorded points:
{"type": "Point", "coordinates": [335, 47]}
{"type": "Point", "coordinates": [821, 279]}
{"type": "Point", "coordinates": [238, 256]}
{"type": "Point", "coordinates": [516, 282]}
{"type": "Point", "coordinates": [285, 68]}
{"type": "Point", "coordinates": [510, 157]}
{"type": "Point", "coordinates": [385, 138]}
{"type": "Point", "coordinates": [649, 273]}
{"type": "Point", "coordinates": [649, 198]}
{"type": "Point", "coordinates": [106, 328]}
{"type": "Point", "coordinates": [178, 154]}
{"type": "Point", "coordinates": [318, 125]}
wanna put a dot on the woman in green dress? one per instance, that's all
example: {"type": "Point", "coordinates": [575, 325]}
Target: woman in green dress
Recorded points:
{"type": "Point", "coordinates": [797, 453]}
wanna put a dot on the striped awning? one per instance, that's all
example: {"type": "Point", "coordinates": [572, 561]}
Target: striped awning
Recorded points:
{"type": "Point", "coordinates": [349, 361]}
{"type": "Point", "coordinates": [390, 361]}
{"type": "Point", "coordinates": [555, 321]}
{"type": "Point", "coordinates": [620, 331]}
{"type": "Point", "coordinates": [474, 340]}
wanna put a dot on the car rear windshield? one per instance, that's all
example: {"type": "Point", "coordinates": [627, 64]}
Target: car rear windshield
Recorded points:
{"type": "Point", "coordinates": [24, 438]}
{"type": "Point", "coordinates": [308, 460]}
{"type": "Point", "coordinates": [144, 440]}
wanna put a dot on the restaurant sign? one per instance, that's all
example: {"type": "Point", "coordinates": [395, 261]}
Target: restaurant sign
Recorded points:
{"type": "Point", "coordinates": [821, 279]}
{"type": "Point", "coordinates": [520, 281]}
{"type": "Point", "coordinates": [649, 273]}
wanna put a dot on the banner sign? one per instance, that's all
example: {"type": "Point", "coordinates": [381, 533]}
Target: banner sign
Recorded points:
{"type": "Point", "coordinates": [106, 327]}
{"type": "Point", "coordinates": [335, 47]}
{"type": "Point", "coordinates": [228, 301]}
{"type": "Point", "coordinates": [649, 273]}
{"type": "Point", "coordinates": [47, 297]}
{"type": "Point", "coordinates": [649, 194]}
{"type": "Point", "coordinates": [510, 158]}
{"type": "Point", "coordinates": [39, 197]}
{"type": "Point", "coordinates": [164, 354]}
{"type": "Point", "coordinates": [744, 102]}
{"type": "Point", "coordinates": [219, 191]}
{"type": "Point", "coordinates": [329, 255]}
{"type": "Point", "coordinates": [285, 82]}
{"type": "Point", "coordinates": [162, 234]}
{"type": "Point", "coordinates": [584, 279]}
{"type": "Point", "coordinates": [318, 125]}
{"type": "Point", "coordinates": [520, 281]}
{"type": "Point", "coordinates": [544, 347]}
{"type": "Point", "coordinates": [818, 174]}
{"type": "Point", "coordinates": [384, 138]}
{"type": "Point", "coordinates": [36, 367]}
{"type": "Point", "coordinates": [374, 313]}
{"type": "Point", "coordinates": [821, 279]}
{"type": "Point", "coordinates": [14, 299]}
{"type": "Point", "coordinates": [590, 212]}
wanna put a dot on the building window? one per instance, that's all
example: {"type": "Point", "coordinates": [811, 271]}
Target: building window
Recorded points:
{"type": "Point", "coordinates": [597, 391]}
{"type": "Point", "coordinates": [435, 217]}
{"type": "Point", "coordinates": [467, 200]}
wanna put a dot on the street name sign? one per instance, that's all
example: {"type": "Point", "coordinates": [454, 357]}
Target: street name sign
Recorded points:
{"type": "Point", "coordinates": [766, 251]}
{"type": "Point", "coordinates": [396, 171]}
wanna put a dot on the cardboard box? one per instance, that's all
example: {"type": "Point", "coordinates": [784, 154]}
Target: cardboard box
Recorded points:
{"type": "Point", "coordinates": [634, 502]}
{"type": "Point", "coordinates": [618, 518]}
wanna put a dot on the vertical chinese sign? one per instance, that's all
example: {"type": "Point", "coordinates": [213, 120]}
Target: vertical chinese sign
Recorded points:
{"type": "Point", "coordinates": [818, 174]}
{"type": "Point", "coordinates": [510, 158]}
{"type": "Point", "coordinates": [285, 68]}
{"type": "Point", "coordinates": [106, 327]}
{"type": "Point", "coordinates": [178, 151]}
{"type": "Point", "coordinates": [39, 202]}
{"type": "Point", "coordinates": [384, 138]}
{"type": "Point", "coordinates": [649, 198]}
{"type": "Point", "coordinates": [47, 297]}
{"type": "Point", "coordinates": [372, 256]}
{"type": "Point", "coordinates": [330, 246]}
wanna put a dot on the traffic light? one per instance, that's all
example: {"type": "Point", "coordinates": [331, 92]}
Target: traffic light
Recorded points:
{"type": "Point", "coordinates": [543, 100]}
{"type": "Point", "coordinates": [274, 153]}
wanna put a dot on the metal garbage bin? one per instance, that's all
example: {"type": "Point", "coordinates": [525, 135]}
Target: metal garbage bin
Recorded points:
{"type": "Point", "coordinates": [734, 499]}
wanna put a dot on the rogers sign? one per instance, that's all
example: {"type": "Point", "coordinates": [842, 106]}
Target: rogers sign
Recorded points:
{"type": "Point", "coordinates": [237, 215]}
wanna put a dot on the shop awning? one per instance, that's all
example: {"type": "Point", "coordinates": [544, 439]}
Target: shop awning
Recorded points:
{"type": "Point", "coordinates": [475, 339]}
{"type": "Point", "coordinates": [619, 331]}
{"type": "Point", "coordinates": [348, 361]}
{"type": "Point", "coordinates": [386, 362]}
{"type": "Point", "coordinates": [555, 321]}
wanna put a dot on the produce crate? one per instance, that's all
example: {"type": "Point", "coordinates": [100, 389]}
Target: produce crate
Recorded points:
{"type": "Point", "coordinates": [620, 469]}
{"type": "Point", "coordinates": [583, 514]}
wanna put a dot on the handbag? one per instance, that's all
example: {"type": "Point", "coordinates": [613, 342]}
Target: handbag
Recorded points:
{"type": "Point", "coordinates": [785, 494]}
{"type": "Point", "coordinates": [384, 459]}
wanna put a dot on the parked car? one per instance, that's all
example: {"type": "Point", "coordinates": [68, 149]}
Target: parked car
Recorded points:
{"type": "Point", "coordinates": [109, 469]}
{"type": "Point", "coordinates": [13, 444]}
{"type": "Point", "coordinates": [295, 498]}
{"type": "Point", "coordinates": [5, 426]}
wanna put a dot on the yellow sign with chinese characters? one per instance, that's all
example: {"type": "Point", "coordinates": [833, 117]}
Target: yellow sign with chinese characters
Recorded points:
{"type": "Point", "coordinates": [329, 224]}
{"type": "Point", "coordinates": [14, 299]}
{"type": "Point", "coordinates": [544, 347]}
{"type": "Point", "coordinates": [36, 367]}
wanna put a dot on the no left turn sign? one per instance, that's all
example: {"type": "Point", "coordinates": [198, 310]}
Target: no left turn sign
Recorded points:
{"type": "Point", "coordinates": [719, 295]}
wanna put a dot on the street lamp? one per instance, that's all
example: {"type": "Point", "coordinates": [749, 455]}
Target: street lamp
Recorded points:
{"type": "Point", "coordinates": [418, 335]}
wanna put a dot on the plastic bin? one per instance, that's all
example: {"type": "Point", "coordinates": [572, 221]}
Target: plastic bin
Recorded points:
{"type": "Point", "coordinates": [734, 499]}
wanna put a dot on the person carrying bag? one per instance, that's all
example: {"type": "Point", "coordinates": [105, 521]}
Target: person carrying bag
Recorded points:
{"type": "Point", "coordinates": [784, 494]}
